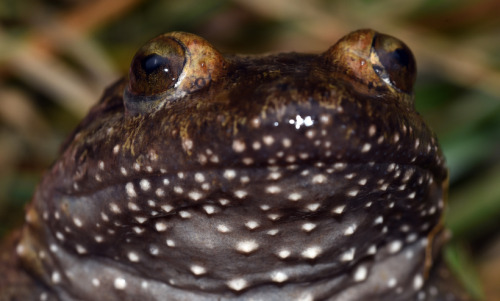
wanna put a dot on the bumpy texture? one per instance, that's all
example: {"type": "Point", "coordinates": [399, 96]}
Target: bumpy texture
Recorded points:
{"type": "Point", "coordinates": [280, 177]}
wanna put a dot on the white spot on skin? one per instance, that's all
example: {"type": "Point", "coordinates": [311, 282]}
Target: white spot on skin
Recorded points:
{"type": "Point", "coordinates": [77, 222]}
{"type": "Point", "coordinates": [120, 283]}
{"type": "Point", "coordinates": [161, 226]}
{"type": "Point", "coordinates": [229, 174]}
{"type": "Point", "coordinates": [133, 257]}
{"type": "Point", "coordinates": [198, 270]}
{"type": "Point", "coordinates": [153, 250]}
{"type": "Point", "coordinates": [279, 276]}
{"type": "Point", "coordinates": [184, 214]}
{"type": "Point", "coordinates": [350, 176]}
{"type": "Point", "coordinates": [350, 230]}
{"type": "Point", "coordinates": [360, 273]}
{"type": "Point", "coordinates": [348, 255]}
{"type": "Point", "coordinates": [310, 134]}
{"type": "Point", "coordinates": [239, 146]}
{"type": "Point", "coordinates": [268, 140]}
{"type": "Point", "coordinates": [56, 277]}
{"type": "Point", "coordinates": [379, 220]}
{"type": "Point", "coordinates": [339, 209]}
{"type": "Point", "coordinates": [372, 130]}
{"type": "Point", "coordinates": [383, 187]}
{"type": "Point", "coordinates": [133, 206]}
{"type": "Point", "coordinates": [308, 227]}
{"type": "Point", "coordinates": [96, 282]}
{"type": "Point", "coordinates": [392, 282]}
{"type": "Point", "coordinates": [53, 248]}
{"type": "Point", "coordinates": [252, 225]}
{"type": "Point", "coordinates": [273, 189]}
{"type": "Point", "coordinates": [247, 161]}
{"type": "Point", "coordinates": [284, 253]}
{"type": "Point", "coordinates": [339, 166]}
{"type": "Point", "coordinates": [170, 243]}
{"type": "Point", "coordinates": [80, 249]}
{"type": "Point", "coordinates": [195, 195]}
{"type": "Point", "coordinates": [114, 208]}
{"type": "Point", "coordinates": [366, 148]}
{"type": "Point", "coordinates": [237, 284]}
{"type": "Point", "coordinates": [129, 188]}
{"type": "Point", "coordinates": [313, 207]}
{"type": "Point", "coordinates": [372, 250]}
{"type": "Point", "coordinates": [255, 122]}
{"type": "Point", "coordinates": [223, 202]}
{"type": "Point", "coordinates": [199, 177]}
{"type": "Point", "coordinates": [418, 281]}
{"type": "Point", "coordinates": [311, 252]}
{"type": "Point", "coordinates": [123, 171]}
{"type": "Point", "coordinates": [240, 194]}
{"type": "Point", "coordinates": [160, 192]}
{"type": "Point", "coordinates": [247, 246]}
{"type": "Point", "coordinates": [145, 184]}
{"type": "Point", "coordinates": [273, 232]}
{"type": "Point", "coordinates": [353, 192]}
{"type": "Point", "coordinates": [138, 230]}
{"type": "Point", "coordinates": [319, 179]}
{"type": "Point", "coordinates": [275, 175]}
{"type": "Point", "coordinates": [395, 246]}
{"type": "Point", "coordinates": [223, 228]}
{"type": "Point", "coordinates": [167, 208]}
{"type": "Point", "coordinates": [294, 196]}
{"type": "Point", "coordinates": [116, 149]}
{"type": "Point", "coordinates": [209, 209]}
{"type": "Point", "coordinates": [273, 216]}
{"type": "Point", "coordinates": [286, 142]}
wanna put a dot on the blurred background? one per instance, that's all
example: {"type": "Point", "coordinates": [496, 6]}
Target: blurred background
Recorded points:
{"type": "Point", "coordinates": [57, 56]}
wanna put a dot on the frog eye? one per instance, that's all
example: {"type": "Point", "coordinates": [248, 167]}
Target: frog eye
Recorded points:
{"type": "Point", "coordinates": [156, 67]}
{"type": "Point", "coordinates": [169, 68]}
{"type": "Point", "coordinates": [393, 62]}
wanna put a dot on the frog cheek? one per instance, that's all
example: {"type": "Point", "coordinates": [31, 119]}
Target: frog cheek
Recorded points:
{"type": "Point", "coordinates": [393, 62]}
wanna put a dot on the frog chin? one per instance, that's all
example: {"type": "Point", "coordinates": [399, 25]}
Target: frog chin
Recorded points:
{"type": "Point", "coordinates": [285, 226]}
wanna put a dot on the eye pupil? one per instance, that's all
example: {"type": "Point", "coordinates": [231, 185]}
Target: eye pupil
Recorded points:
{"type": "Point", "coordinates": [154, 63]}
{"type": "Point", "coordinates": [401, 56]}
{"type": "Point", "coordinates": [397, 62]}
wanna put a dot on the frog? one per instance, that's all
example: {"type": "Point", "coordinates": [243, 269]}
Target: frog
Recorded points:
{"type": "Point", "coordinates": [204, 176]}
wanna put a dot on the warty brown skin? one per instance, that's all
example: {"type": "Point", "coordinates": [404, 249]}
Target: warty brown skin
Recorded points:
{"type": "Point", "coordinates": [205, 177]}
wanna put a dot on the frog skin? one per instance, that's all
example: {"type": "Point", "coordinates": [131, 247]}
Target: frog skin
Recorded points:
{"type": "Point", "coordinates": [210, 177]}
